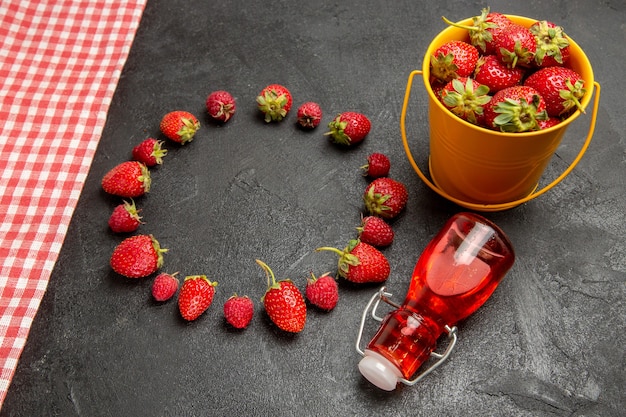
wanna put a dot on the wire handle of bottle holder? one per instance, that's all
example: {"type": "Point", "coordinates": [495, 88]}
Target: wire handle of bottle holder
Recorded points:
{"type": "Point", "coordinates": [500, 206]}
{"type": "Point", "coordinates": [383, 295]}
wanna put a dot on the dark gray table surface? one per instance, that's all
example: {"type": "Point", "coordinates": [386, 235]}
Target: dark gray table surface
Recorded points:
{"type": "Point", "coordinates": [550, 342]}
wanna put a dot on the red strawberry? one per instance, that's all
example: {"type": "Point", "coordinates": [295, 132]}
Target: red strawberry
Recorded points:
{"type": "Point", "coordinates": [378, 165]}
{"type": "Point", "coordinates": [361, 263]}
{"type": "Point", "coordinates": [375, 231]}
{"type": "Point", "coordinates": [349, 128]}
{"type": "Point", "coordinates": [128, 179]}
{"type": "Point", "coordinates": [179, 126]}
{"type": "Point", "coordinates": [220, 105]}
{"type": "Point", "coordinates": [552, 44]}
{"type": "Point", "coordinates": [385, 197]}
{"type": "Point", "coordinates": [275, 102]}
{"type": "Point", "coordinates": [561, 89]}
{"type": "Point", "coordinates": [515, 109]}
{"type": "Point", "coordinates": [238, 311]}
{"type": "Point", "coordinates": [465, 98]}
{"type": "Point", "coordinates": [150, 152]}
{"type": "Point", "coordinates": [453, 59]}
{"type": "Point", "coordinates": [283, 302]}
{"type": "Point", "coordinates": [437, 87]}
{"type": "Point", "coordinates": [482, 29]}
{"type": "Point", "coordinates": [498, 18]}
{"type": "Point", "coordinates": [322, 291]}
{"type": "Point", "coordinates": [164, 286]}
{"type": "Point", "coordinates": [495, 75]}
{"type": "Point", "coordinates": [125, 218]}
{"type": "Point", "coordinates": [515, 45]}
{"type": "Point", "coordinates": [137, 256]}
{"type": "Point", "coordinates": [548, 123]}
{"type": "Point", "coordinates": [195, 296]}
{"type": "Point", "coordinates": [309, 115]}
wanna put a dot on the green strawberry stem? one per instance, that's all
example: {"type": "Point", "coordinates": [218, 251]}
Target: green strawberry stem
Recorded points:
{"type": "Point", "coordinates": [271, 278]}
{"type": "Point", "coordinates": [466, 102]}
{"type": "Point", "coordinates": [346, 258]}
{"type": "Point", "coordinates": [519, 116]}
{"type": "Point", "coordinates": [132, 210]}
{"type": "Point", "coordinates": [188, 130]}
{"type": "Point", "coordinates": [145, 177]}
{"type": "Point", "coordinates": [458, 25]}
{"type": "Point", "coordinates": [443, 67]}
{"type": "Point", "coordinates": [158, 152]}
{"type": "Point", "coordinates": [478, 33]}
{"type": "Point", "coordinates": [159, 251]}
{"type": "Point", "coordinates": [375, 202]}
{"type": "Point", "coordinates": [331, 249]}
{"type": "Point", "coordinates": [337, 131]}
{"type": "Point", "coordinates": [272, 105]}
{"type": "Point", "coordinates": [550, 41]}
{"type": "Point", "coordinates": [519, 54]}
{"type": "Point", "coordinates": [572, 94]}
{"type": "Point", "coordinates": [204, 277]}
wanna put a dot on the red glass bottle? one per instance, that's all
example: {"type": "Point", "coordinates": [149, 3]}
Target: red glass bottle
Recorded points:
{"type": "Point", "coordinates": [457, 272]}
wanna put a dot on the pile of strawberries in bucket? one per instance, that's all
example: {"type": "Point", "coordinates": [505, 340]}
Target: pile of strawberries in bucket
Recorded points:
{"type": "Point", "coordinates": [507, 77]}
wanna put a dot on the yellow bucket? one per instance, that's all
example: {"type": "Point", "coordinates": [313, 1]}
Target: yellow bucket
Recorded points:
{"type": "Point", "coordinates": [487, 170]}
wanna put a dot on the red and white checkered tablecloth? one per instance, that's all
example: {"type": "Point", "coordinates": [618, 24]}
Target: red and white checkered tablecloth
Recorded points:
{"type": "Point", "coordinates": [60, 62]}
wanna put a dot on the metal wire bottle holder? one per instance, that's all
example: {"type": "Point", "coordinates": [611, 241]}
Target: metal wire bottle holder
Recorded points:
{"type": "Point", "coordinates": [383, 295]}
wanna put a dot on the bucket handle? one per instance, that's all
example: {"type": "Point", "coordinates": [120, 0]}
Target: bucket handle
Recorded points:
{"type": "Point", "coordinates": [500, 206]}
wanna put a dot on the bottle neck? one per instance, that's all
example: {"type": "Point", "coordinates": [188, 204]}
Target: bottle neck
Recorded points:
{"type": "Point", "coordinates": [406, 339]}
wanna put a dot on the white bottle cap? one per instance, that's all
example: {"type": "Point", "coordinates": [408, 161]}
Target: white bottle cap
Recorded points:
{"type": "Point", "coordinates": [379, 371]}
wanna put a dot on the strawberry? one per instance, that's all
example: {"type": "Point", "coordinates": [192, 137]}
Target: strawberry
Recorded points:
{"type": "Point", "coordinates": [349, 128]}
{"type": "Point", "coordinates": [137, 256]}
{"type": "Point", "coordinates": [515, 109]}
{"type": "Point", "coordinates": [128, 179]}
{"type": "Point", "coordinates": [552, 44]}
{"type": "Point", "coordinates": [500, 20]}
{"type": "Point", "coordinates": [283, 302]}
{"type": "Point", "coordinates": [495, 75]}
{"type": "Point", "coordinates": [515, 45]}
{"type": "Point", "coordinates": [220, 105]}
{"type": "Point", "coordinates": [483, 28]}
{"type": "Point", "coordinates": [385, 197]}
{"type": "Point", "coordinates": [453, 59]}
{"type": "Point", "coordinates": [309, 115]}
{"type": "Point", "coordinates": [179, 126]}
{"type": "Point", "coordinates": [164, 286]}
{"type": "Point", "coordinates": [275, 102]}
{"type": "Point", "coordinates": [361, 263]}
{"type": "Point", "coordinates": [561, 89]}
{"type": "Point", "coordinates": [465, 98]}
{"type": "Point", "coordinates": [150, 152]}
{"type": "Point", "coordinates": [238, 311]}
{"type": "Point", "coordinates": [322, 291]}
{"type": "Point", "coordinates": [125, 218]}
{"type": "Point", "coordinates": [437, 87]}
{"type": "Point", "coordinates": [375, 231]}
{"type": "Point", "coordinates": [195, 296]}
{"type": "Point", "coordinates": [378, 165]}
{"type": "Point", "coordinates": [548, 123]}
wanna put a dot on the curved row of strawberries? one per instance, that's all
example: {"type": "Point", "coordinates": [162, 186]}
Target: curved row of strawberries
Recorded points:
{"type": "Point", "coordinates": [360, 261]}
{"type": "Point", "coordinates": [506, 76]}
